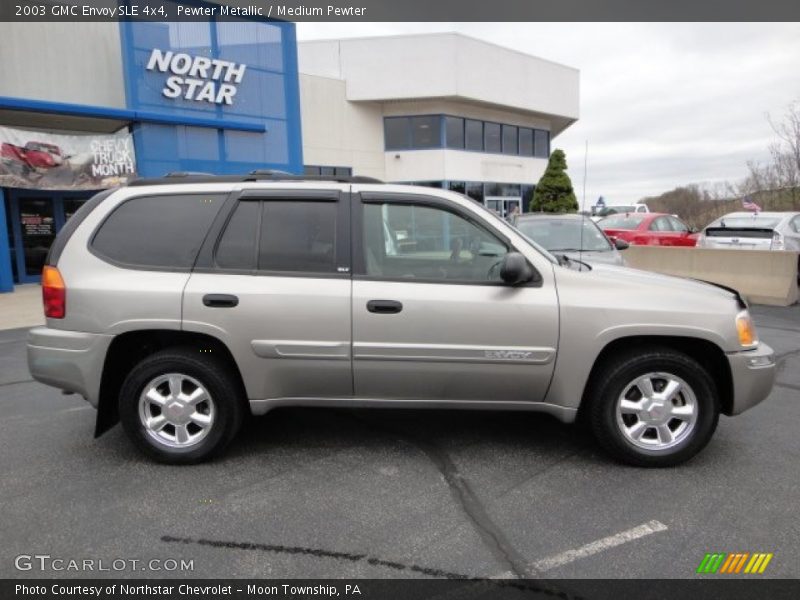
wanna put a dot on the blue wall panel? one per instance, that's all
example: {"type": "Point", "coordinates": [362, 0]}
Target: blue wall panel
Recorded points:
{"type": "Point", "coordinates": [267, 95]}
{"type": "Point", "coordinates": [6, 274]}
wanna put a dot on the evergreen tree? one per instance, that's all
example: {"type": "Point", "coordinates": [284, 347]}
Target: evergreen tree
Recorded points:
{"type": "Point", "coordinates": [554, 193]}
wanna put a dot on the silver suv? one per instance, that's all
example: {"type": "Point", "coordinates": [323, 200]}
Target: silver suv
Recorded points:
{"type": "Point", "coordinates": [180, 305]}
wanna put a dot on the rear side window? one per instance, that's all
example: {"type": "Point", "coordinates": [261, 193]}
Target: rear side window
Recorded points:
{"type": "Point", "coordinates": [163, 231]}
{"type": "Point", "coordinates": [297, 235]}
{"type": "Point", "coordinates": [237, 247]}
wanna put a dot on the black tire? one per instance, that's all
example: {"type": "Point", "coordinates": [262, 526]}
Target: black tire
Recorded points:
{"type": "Point", "coordinates": [615, 376]}
{"type": "Point", "coordinates": [221, 385]}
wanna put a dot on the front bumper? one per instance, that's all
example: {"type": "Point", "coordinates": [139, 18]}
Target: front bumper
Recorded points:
{"type": "Point", "coordinates": [753, 374]}
{"type": "Point", "coordinates": [69, 360]}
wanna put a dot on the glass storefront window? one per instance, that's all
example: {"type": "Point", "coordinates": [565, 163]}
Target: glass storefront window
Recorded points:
{"type": "Point", "coordinates": [475, 191]}
{"type": "Point", "coordinates": [38, 230]}
{"type": "Point", "coordinates": [457, 186]}
{"type": "Point", "coordinates": [527, 196]}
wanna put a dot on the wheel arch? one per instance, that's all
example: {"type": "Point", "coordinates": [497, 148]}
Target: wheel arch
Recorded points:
{"type": "Point", "coordinates": [129, 348]}
{"type": "Point", "coordinates": [705, 352]}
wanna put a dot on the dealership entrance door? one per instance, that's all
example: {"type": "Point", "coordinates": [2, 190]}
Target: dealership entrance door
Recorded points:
{"type": "Point", "coordinates": [502, 205]}
{"type": "Point", "coordinates": [34, 219]}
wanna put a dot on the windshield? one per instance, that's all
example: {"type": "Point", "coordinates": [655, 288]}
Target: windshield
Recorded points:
{"type": "Point", "coordinates": [614, 210]}
{"type": "Point", "coordinates": [564, 235]}
{"type": "Point", "coordinates": [621, 222]}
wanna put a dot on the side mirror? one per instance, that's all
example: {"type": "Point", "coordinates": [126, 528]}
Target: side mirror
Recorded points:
{"type": "Point", "coordinates": [515, 269]}
{"type": "Point", "coordinates": [621, 244]}
{"type": "Point", "coordinates": [693, 230]}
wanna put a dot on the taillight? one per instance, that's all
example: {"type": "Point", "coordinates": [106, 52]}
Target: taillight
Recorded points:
{"type": "Point", "coordinates": [54, 294]}
{"type": "Point", "coordinates": [777, 241]}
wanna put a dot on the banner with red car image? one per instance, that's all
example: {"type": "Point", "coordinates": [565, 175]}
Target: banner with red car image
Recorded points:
{"type": "Point", "coordinates": [41, 160]}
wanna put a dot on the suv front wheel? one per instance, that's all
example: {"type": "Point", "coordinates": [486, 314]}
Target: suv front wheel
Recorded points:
{"type": "Point", "coordinates": [179, 407]}
{"type": "Point", "coordinates": [653, 408]}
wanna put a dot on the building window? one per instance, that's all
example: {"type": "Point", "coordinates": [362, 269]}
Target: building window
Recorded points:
{"type": "Point", "coordinates": [430, 184]}
{"type": "Point", "coordinates": [491, 138]}
{"type": "Point", "coordinates": [527, 196]}
{"type": "Point", "coordinates": [475, 191]}
{"type": "Point", "coordinates": [396, 133]}
{"type": "Point", "coordinates": [474, 135]}
{"type": "Point", "coordinates": [426, 132]}
{"type": "Point", "coordinates": [542, 146]}
{"type": "Point", "coordinates": [437, 131]}
{"type": "Point", "coordinates": [318, 171]}
{"type": "Point", "coordinates": [510, 140]}
{"type": "Point", "coordinates": [454, 128]}
{"type": "Point", "coordinates": [525, 141]}
{"type": "Point", "coordinates": [457, 186]}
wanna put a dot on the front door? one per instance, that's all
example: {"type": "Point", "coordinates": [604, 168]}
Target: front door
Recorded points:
{"type": "Point", "coordinates": [431, 318]}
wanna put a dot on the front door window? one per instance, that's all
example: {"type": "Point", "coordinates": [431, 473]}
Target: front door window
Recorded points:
{"type": "Point", "coordinates": [418, 242]}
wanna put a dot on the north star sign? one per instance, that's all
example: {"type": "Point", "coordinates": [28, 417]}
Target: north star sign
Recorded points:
{"type": "Point", "coordinates": [197, 78]}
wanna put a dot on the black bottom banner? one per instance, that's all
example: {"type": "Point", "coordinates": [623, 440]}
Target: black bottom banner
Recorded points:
{"type": "Point", "coordinates": [405, 589]}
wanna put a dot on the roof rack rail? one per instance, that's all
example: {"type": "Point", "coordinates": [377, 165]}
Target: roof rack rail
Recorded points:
{"type": "Point", "coordinates": [176, 177]}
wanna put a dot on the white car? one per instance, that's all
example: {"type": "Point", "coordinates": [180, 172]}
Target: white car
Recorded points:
{"type": "Point", "coordinates": [616, 209]}
{"type": "Point", "coordinates": [753, 231]}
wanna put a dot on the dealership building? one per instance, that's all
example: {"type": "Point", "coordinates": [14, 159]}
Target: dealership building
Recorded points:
{"type": "Point", "coordinates": [100, 103]}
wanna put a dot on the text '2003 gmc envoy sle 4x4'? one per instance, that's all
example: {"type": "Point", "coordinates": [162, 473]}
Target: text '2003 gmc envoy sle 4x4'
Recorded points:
{"type": "Point", "coordinates": [180, 305]}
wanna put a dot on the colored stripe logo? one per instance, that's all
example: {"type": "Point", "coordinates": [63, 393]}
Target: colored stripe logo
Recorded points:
{"type": "Point", "coordinates": [735, 563]}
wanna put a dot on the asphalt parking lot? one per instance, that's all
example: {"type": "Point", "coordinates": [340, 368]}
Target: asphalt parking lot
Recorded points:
{"type": "Point", "coordinates": [347, 493]}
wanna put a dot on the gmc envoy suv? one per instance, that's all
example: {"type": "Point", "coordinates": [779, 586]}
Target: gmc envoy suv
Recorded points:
{"type": "Point", "coordinates": [180, 305]}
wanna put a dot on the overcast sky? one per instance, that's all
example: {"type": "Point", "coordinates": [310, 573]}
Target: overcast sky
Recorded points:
{"type": "Point", "coordinates": [662, 104]}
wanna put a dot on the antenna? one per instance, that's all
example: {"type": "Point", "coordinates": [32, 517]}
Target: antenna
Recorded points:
{"type": "Point", "coordinates": [583, 201]}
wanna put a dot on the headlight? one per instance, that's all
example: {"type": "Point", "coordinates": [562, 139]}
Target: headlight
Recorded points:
{"type": "Point", "coordinates": [746, 330]}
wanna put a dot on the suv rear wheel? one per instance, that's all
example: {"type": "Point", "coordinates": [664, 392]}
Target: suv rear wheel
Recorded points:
{"type": "Point", "coordinates": [179, 407]}
{"type": "Point", "coordinates": [653, 408]}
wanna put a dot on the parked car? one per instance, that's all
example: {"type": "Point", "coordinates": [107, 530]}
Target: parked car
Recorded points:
{"type": "Point", "coordinates": [273, 290]}
{"type": "Point", "coordinates": [576, 236]}
{"type": "Point", "coordinates": [651, 229]}
{"type": "Point", "coordinates": [753, 231]}
{"type": "Point", "coordinates": [618, 209]}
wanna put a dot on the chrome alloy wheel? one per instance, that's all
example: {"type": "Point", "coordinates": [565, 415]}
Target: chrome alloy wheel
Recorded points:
{"type": "Point", "coordinates": [176, 410]}
{"type": "Point", "coordinates": [657, 411]}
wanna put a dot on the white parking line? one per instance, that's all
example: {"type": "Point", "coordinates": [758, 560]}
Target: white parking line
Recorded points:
{"type": "Point", "coordinates": [611, 541]}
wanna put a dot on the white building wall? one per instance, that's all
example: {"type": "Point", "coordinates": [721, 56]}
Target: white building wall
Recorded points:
{"type": "Point", "coordinates": [348, 86]}
{"type": "Point", "coordinates": [337, 132]}
{"type": "Point", "coordinates": [61, 65]}
{"type": "Point", "coordinates": [458, 165]}
{"type": "Point", "coordinates": [449, 66]}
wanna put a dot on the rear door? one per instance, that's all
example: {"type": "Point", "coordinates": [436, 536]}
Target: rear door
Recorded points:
{"type": "Point", "coordinates": [431, 319]}
{"type": "Point", "coordinates": [273, 283]}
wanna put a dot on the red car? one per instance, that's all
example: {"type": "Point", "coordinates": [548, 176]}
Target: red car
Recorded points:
{"type": "Point", "coordinates": [649, 229]}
